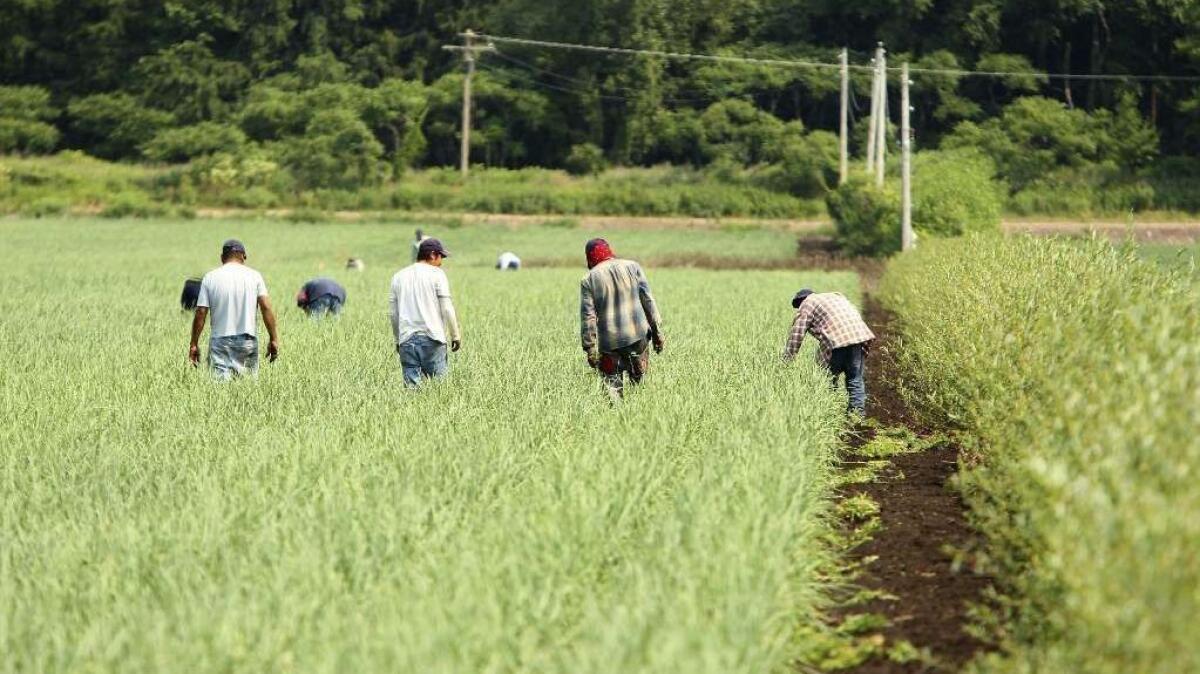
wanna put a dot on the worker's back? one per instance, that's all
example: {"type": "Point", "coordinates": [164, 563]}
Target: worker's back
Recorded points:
{"type": "Point", "coordinates": [415, 292]}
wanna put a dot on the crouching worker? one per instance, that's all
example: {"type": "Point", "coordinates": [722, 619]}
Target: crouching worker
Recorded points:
{"type": "Point", "coordinates": [423, 318]}
{"type": "Point", "coordinates": [232, 295]}
{"type": "Point", "coordinates": [321, 296]}
{"type": "Point", "coordinates": [618, 317]}
{"type": "Point", "coordinates": [844, 337]}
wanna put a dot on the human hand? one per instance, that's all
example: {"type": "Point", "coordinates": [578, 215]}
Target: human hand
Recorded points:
{"type": "Point", "coordinates": [272, 350]}
{"type": "Point", "coordinates": [455, 345]}
{"type": "Point", "coordinates": [593, 359]}
{"type": "Point", "coordinates": [658, 342]}
{"type": "Point", "coordinates": [194, 355]}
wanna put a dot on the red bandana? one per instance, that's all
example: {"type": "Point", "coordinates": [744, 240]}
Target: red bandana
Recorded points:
{"type": "Point", "coordinates": [597, 251]}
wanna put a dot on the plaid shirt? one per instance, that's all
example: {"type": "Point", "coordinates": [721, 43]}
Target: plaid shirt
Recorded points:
{"type": "Point", "coordinates": [616, 308]}
{"type": "Point", "coordinates": [832, 320]}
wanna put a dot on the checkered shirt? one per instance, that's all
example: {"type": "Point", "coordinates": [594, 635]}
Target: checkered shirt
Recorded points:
{"type": "Point", "coordinates": [616, 308]}
{"type": "Point", "coordinates": [832, 320]}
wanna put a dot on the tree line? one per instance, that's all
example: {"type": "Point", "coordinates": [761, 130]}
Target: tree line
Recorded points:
{"type": "Point", "coordinates": [348, 92]}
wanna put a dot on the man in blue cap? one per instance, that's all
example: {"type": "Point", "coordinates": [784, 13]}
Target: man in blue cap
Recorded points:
{"type": "Point", "coordinates": [232, 295]}
{"type": "Point", "coordinates": [321, 296]}
{"type": "Point", "coordinates": [844, 338]}
{"type": "Point", "coordinates": [423, 318]}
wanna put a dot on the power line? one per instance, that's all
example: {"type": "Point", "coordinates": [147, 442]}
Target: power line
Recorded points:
{"type": "Point", "coordinates": [787, 63]}
{"type": "Point", "coordinates": [588, 85]}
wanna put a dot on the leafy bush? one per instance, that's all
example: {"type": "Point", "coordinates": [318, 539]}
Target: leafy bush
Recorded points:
{"type": "Point", "coordinates": [585, 159]}
{"type": "Point", "coordinates": [24, 113]}
{"type": "Point", "coordinates": [187, 143]}
{"type": "Point", "coordinates": [739, 130]}
{"type": "Point", "coordinates": [116, 126]}
{"type": "Point", "coordinates": [867, 218]}
{"type": "Point", "coordinates": [1074, 368]}
{"type": "Point", "coordinates": [133, 205]}
{"type": "Point", "coordinates": [337, 151]}
{"type": "Point", "coordinates": [807, 165]}
{"type": "Point", "coordinates": [954, 193]}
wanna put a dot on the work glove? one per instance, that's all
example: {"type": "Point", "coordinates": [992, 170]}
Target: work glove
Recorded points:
{"type": "Point", "coordinates": [657, 341]}
{"type": "Point", "coordinates": [593, 359]}
{"type": "Point", "coordinates": [455, 344]}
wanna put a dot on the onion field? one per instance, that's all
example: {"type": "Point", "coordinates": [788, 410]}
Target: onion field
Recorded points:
{"type": "Point", "coordinates": [323, 519]}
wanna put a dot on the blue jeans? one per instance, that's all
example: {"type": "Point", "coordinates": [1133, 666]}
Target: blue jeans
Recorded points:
{"type": "Point", "coordinates": [325, 304]}
{"type": "Point", "coordinates": [422, 357]}
{"type": "Point", "coordinates": [851, 362]}
{"type": "Point", "coordinates": [233, 356]}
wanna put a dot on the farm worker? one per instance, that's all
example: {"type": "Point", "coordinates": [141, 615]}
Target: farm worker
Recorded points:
{"type": "Point", "coordinates": [508, 262]}
{"type": "Point", "coordinates": [423, 318]}
{"type": "Point", "coordinates": [618, 316]}
{"type": "Point", "coordinates": [844, 337]}
{"type": "Point", "coordinates": [321, 296]}
{"type": "Point", "coordinates": [418, 238]}
{"type": "Point", "coordinates": [233, 294]}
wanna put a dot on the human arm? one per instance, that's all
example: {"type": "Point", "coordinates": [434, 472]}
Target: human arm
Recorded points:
{"type": "Point", "coordinates": [394, 309]}
{"type": "Point", "coordinates": [197, 330]}
{"type": "Point", "coordinates": [651, 308]}
{"type": "Point", "coordinates": [450, 318]}
{"type": "Point", "coordinates": [587, 323]}
{"type": "Point", "coordinates": [268, 314]}
{"type": "Point", "coordinates": [796, 336]}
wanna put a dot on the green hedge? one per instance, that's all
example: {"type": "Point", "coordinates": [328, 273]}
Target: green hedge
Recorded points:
{"type": "Point", "coordinates": [1076, 369]}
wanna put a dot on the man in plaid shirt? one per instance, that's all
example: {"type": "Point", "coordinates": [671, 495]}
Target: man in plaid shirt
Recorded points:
{"type": "Point", "coordinates": [843, 336]}
{"type": "Point", "coordinates": [617, 316]}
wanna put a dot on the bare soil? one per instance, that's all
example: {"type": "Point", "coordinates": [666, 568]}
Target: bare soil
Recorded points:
{"type": "Point", "coordinates": [923, 519]}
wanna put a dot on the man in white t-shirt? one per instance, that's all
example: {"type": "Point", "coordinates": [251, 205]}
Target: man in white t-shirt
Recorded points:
{"type": "Point", "coordinates": [423, 318]}
{"type": "Point", "coordinates": [232, 295]}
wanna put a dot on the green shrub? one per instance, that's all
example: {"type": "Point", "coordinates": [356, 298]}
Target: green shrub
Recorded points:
{"type": "Point", "coordinates": [337, 151]}
{"type": "Point", "coordinates": [187, 143]}
{"type": "Point", "coordinates": [807, 166]}
{"type": "Point", "coordinates": [867, 218]}
{"type": "Point", "coordinates": [115, 126]}
{"type": "Point", "coordinates": [585, 159]}
{"type": "Point", "coordinates": [47, 207]}
{"type": "Point", "coordinates": [133, 205]}
{"type": "Point", "coordinates": [24, 116]}
{"type": "Point", "coordinates": [954, 193]}
{"type": "Point", "coordinates": [1073, 369]}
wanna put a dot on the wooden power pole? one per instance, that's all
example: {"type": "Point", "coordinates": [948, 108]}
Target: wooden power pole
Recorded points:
{"type": "Point", "coordinates": [469, 51]}
{"type": "Point", "coordinates": [881, 126]}
{"type": "Point", "coordinates": [874, 118]}
{"type": "Point", "coordinates": [906, 138]}
{"type": "Point", "coordinates": [844, 157]}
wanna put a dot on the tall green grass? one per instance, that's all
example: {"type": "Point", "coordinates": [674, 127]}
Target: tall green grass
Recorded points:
{"type": "Point", "coordinates": [1076, 368]}
{"type": "Point", "coordinates": [323, 519]}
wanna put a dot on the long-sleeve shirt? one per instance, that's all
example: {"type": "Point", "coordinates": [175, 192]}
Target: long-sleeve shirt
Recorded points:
{"type": "Point", "coordinates": [419, 303]}
{"type": "Point", "coordinates": [616, 308]}
{"type": "Point", "coordinates": [832, 320]}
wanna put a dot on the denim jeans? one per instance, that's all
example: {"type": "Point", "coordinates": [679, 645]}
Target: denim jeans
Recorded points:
{"type": "Point", "coordinates": [325, 304]}
{"type": "Point", "coordinates": [233, 356]}
{"type": "Point", "coordinates": [422, 357]}
{"type": "Point", "coordinates": [851, 362]}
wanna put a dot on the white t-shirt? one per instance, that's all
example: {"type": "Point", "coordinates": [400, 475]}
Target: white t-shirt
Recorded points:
{"type": "Point", "coordinates": [508, 261]}
{"type": "Point", "coordinates": [231, 294]}
{"type": "Point", "coordinates": [415, 302]}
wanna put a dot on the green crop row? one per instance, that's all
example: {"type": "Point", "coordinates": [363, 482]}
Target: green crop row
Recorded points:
{"type": "Point", "coordinates": [323, 519]}
{"type": "Point", "coordinates": [1075, 367]}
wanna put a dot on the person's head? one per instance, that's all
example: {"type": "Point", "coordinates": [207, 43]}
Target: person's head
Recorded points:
{"type": "Point", "coordinates": [800, 297]}
{"type": "Point", "coordinates": [597, 251]}
{"type": "Point", "coordinates": [233, 251]}
{"type": "Point", "coordinates": [431, 251]}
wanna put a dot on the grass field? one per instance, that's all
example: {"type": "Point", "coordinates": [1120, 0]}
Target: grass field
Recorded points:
{"type": "Point", "coordinates": [322, 519]}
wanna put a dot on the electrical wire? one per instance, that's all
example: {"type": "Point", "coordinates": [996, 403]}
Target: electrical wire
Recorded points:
{"type": "Point", "coordinates": [785, 63]}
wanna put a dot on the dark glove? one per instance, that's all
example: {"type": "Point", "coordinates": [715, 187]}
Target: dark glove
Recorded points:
{"type": "Point", "coordinates": [593, 359]}
{"type": "Point", "coordinates": [455, 345]}
{"type": "Point", "coordinates": [656, 340]}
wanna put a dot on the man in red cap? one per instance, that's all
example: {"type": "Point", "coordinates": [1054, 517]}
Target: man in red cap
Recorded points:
{"type": "Point", "coordinates": [618, 317]}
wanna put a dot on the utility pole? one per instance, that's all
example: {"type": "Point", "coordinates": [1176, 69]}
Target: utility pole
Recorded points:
{"type": "Point", "coordinates": [469, 51]}
{"type": "Point", "coordinates": [906, 230]}
{"type": "Point", "coordinates": [844, 160]}
{"type": "Point", "coordinates": [874, 120]}
{"type": "Point", "coordinates": [881, 127]}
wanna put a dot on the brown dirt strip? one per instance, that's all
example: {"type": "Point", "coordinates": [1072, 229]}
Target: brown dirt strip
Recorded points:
{"type": "Point", "coordinates": [922, 519]}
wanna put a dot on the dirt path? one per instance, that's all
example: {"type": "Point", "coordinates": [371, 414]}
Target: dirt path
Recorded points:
{"type": "Point", "coordinates": [922, 518]}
